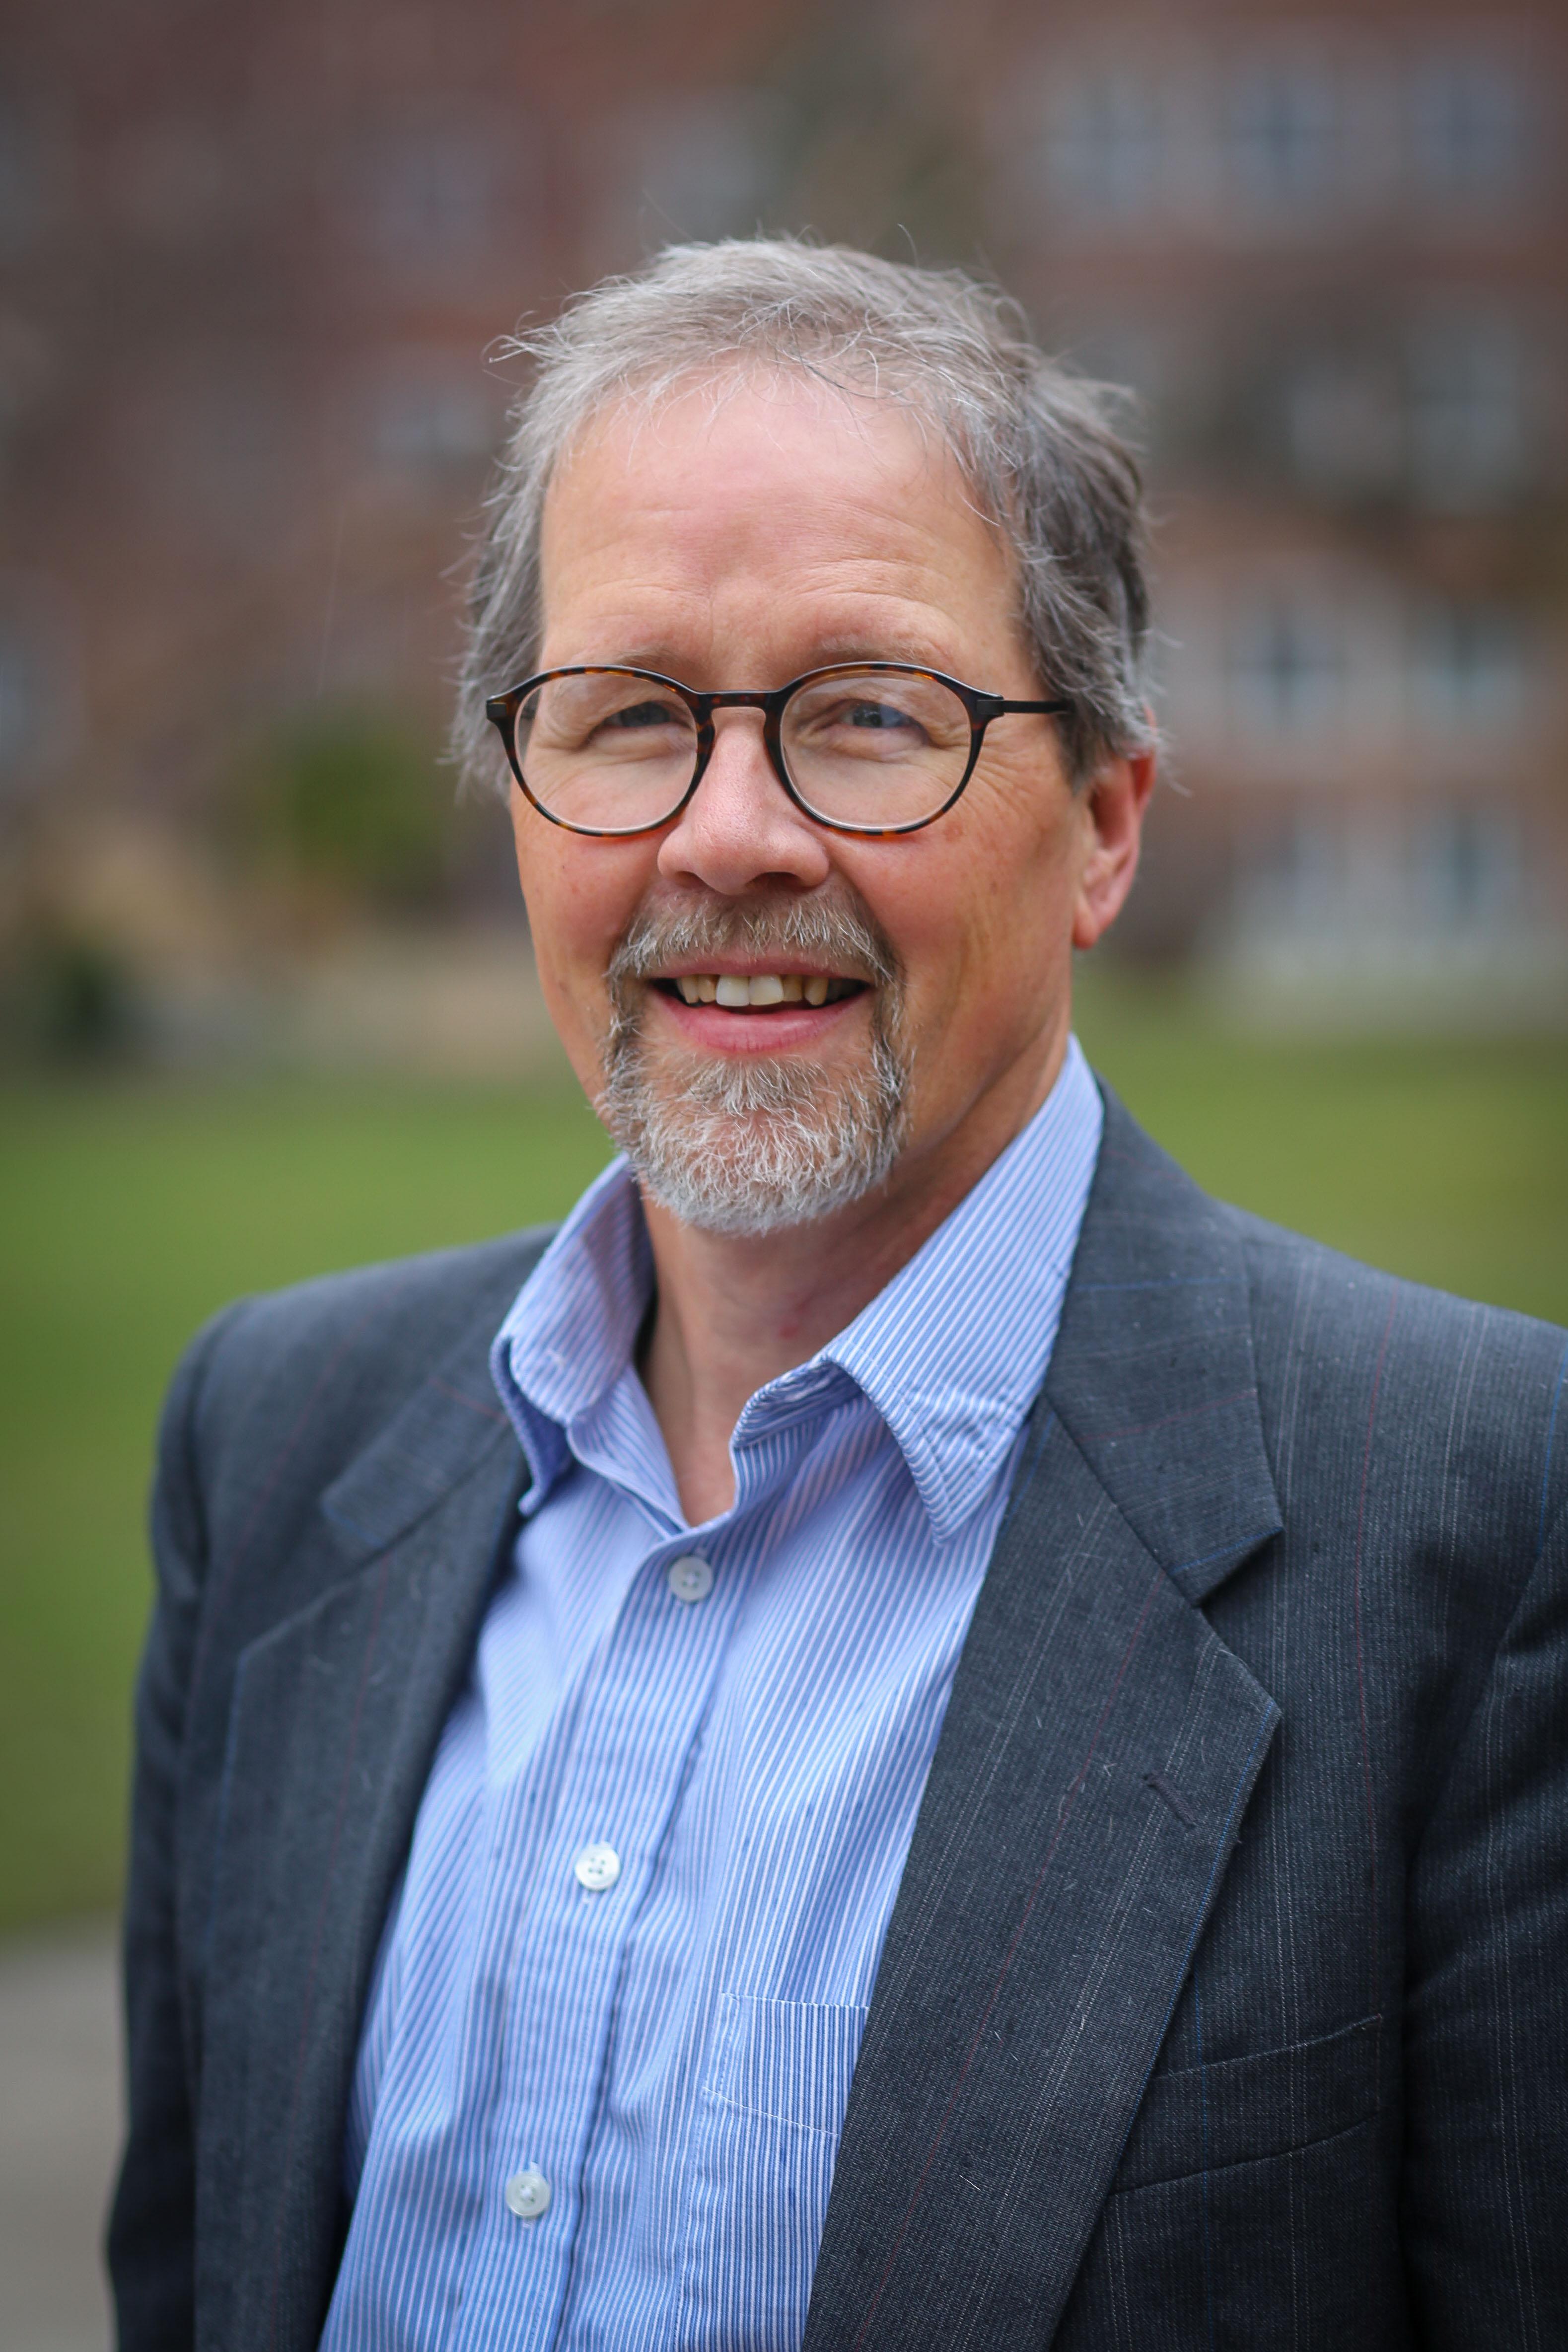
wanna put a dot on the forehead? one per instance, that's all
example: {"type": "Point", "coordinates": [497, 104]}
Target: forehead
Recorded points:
{"type": "Point", "coordinates": [768, 492]}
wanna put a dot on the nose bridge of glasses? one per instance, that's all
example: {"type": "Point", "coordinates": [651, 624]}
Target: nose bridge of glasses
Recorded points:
{"type": "Point", "coordinates": [753, 744]}
{"type": "Point", "coordinates": [742, 699]}
{"type": "Point", "coordinates": [740, 818]}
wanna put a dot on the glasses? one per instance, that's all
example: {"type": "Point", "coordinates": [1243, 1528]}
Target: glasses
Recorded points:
{"type": "Point", "coordinates": [876, 748]}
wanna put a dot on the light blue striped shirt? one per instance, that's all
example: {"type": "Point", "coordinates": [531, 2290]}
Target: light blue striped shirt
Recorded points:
{"type": "Point", "coordinates": [627, 1973]}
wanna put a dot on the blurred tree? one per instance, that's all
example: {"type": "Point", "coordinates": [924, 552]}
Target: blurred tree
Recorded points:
{"type": "Point", "coordinates": [66, 995]}
{"type": "Point", "coordinates": [349, 807]}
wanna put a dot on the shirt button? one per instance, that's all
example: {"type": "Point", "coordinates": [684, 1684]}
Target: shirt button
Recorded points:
{"type": "Point", "coordinates": [528, 2194]}
{"type": "Point", "coordinates": [597, 1868]}
{"type": "Point", "coordinates": [689, 1578]}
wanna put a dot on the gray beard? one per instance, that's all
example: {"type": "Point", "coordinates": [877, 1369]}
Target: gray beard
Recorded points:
{"type": "Point", "coordinates": [754, 1146]}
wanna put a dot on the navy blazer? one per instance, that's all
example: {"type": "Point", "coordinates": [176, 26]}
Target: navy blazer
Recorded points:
{"type": "Point", "coordinates": [1225, 1999]}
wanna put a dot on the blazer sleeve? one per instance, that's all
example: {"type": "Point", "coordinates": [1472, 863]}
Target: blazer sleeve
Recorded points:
{"type": "Point", "coordinates": [1486, 2169]}
{"type": "Point", "coordinates": [152, 2229]}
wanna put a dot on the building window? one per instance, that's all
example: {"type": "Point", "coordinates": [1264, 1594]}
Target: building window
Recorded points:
{"type": "Point", "coordinates": [40, 694]}
{"type": "Point", "coordinates": [1384, 894]}
{"type": "Point", "coordinates": [1342, 424]}
{"type": "Point", "coordinates": [423, 420]}
{"type": "Point", "coordinates": [227, 440]}
{"type": "Point", "coordinates": [1468, 874]}
{"type": "Point", "coordinates": [1107, 153]}
{"type": "Point", "coordinates": [1468, 129]}
{"type": "Point", "coordinates": [1464, 411]}
{"type": "Point", "coordinates": [30, 160]}
{"type": "Point", "coordinates": [1287, 666]}
{"type": "Point", "coordinates": [1283, 136]}
{"type": "Point", "coordinates": [19, 703]}
{"type": "Point", "coordinates": [702, 166]}
{"type": "Point", "coordinates": [1467, 667]}
{"type": "Point", "coordinates": [424, 199]}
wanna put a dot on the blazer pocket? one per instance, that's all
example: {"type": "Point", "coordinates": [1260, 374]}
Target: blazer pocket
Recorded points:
{"type": "Point", "coordinates": [789, 2062]}
{"type": "Point", "coordinates": [1237, 2110]}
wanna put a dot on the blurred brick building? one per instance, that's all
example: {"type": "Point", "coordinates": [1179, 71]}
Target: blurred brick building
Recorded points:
{"type": "Point", "coordinates": [254, 258]}
{"type": "Point", "coordinates": [1330, 251]}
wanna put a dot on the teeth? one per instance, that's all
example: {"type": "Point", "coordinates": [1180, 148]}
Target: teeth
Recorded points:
{"type": "Point", "coordinates": [737, 990]}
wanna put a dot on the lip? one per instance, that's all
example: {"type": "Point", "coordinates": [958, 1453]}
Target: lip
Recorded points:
{"type": "Point", "coordinates": [747, 968]}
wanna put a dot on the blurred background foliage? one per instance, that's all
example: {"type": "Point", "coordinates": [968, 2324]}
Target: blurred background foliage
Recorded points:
{"type": "Point", "coordinates": [67, 1000]}
{"type": "Point", "coordinates": [339, 809]}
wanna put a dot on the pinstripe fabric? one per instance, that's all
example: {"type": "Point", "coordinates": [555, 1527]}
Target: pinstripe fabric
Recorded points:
{"type": "Point", "coordinates": [675, 2053]}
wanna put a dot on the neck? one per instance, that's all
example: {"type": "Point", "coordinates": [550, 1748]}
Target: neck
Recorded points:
{"type": "Point", "coordinates": [735, 1311]}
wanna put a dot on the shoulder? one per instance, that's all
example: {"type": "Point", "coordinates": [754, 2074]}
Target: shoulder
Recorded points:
{"type": "Point", "coordinates": [1312, 1303]}
{"type": "Point", "coordinates": [312, 1373]}
{"type": "Point", "coordinates": [376, 1319]}
{"type": "Point", "coordinates": [1404, 1407]}
{"type": "Point", "coordinates": [1377, 1397]}
{"type": "Point", "coordinates": [1314, 1313]}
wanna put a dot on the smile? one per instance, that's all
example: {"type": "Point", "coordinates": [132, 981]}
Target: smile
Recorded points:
{"type": "Point", "coordinates": [758, 992]}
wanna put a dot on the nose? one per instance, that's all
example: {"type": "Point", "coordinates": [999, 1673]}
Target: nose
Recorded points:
{"type": "Point", "coordinates": [740, 829]}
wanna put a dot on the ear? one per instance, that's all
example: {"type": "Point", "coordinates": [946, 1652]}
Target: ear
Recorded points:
{"type": "Point", "coordinates": [1113, 802]}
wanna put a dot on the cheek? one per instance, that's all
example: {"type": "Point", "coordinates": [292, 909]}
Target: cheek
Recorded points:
{"type": "Point", "coordinates": [573, 934]}
{"type": "Point", "coordinates": [580, 897]}
{"type": "Point", "coordinates": [992, 904]}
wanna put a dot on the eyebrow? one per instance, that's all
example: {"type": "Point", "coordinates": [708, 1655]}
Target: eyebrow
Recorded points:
{"type": "Point", "coordinates": [895, 646]}
{"type": "Point", "coordinates": [829, 650]}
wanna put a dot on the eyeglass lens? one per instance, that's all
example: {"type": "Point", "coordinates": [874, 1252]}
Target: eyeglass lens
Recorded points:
{"type": "Point", "coordinates": [614, 752]}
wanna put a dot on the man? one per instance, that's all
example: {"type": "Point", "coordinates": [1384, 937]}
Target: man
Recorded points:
{"type": "Point", "coordinates": [1003, 1787]}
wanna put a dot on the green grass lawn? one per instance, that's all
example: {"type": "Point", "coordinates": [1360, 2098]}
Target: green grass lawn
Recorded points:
{"type": "Point", "coordinates": [131, 1210]}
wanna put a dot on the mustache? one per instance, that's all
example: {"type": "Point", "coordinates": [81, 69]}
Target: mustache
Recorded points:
{"type": "Point", "coordinates": [834, 930]}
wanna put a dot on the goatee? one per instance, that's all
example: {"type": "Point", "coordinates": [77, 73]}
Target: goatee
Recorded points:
{"type": "Point", "coordinates": [755, 1145]}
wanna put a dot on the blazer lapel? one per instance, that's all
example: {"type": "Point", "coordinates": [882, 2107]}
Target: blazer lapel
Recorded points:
{"type": "Point", "coordinates": [1097, 1753]}
{"type": "Point", "coordinates": [336, 1715]}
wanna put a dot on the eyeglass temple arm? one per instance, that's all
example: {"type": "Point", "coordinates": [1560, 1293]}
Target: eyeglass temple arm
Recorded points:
{"type": "Point", "coordinates": [999, 706]}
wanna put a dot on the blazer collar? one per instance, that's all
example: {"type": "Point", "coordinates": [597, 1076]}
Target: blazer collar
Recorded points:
{"type": "Point", "coordinates": [451, 1423]}
{"type": "Point", "coordinates": [1154, 1375]}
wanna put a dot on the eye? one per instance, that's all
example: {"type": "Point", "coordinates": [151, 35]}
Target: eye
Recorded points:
{"type": "Point", "coordinates": [879, 724]}
{"type": "Point", "coordinates": [634, 715]}
{"type": "Point", "coordinates": [882, 715]}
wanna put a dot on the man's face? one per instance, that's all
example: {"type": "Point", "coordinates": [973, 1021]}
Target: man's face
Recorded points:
{"type": "Point", "coordinates": [737, 542]}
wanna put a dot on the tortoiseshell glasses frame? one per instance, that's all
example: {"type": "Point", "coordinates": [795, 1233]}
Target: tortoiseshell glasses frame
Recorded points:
{"type": "Point", "coordinates": [504, 711]}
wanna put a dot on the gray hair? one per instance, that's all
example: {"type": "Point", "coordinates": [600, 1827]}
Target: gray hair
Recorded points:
{"type": "Point", "coordinates": [1035, 443]}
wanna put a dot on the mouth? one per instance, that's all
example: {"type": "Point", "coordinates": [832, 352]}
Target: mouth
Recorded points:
{"type": "Point", "coordinates": [758, 991]}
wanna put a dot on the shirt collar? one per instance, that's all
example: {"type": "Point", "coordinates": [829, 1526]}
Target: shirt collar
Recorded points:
{"type": "Point", "coordinates": [573, 1327]}
{"type": "Point", "coordinates": [951, 1354]}
{"type": "Point", "coordinates": [954, 1351]}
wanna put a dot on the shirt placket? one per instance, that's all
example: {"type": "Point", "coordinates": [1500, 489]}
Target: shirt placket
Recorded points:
{"type": "Point", "coordinates": [632, 1734]}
